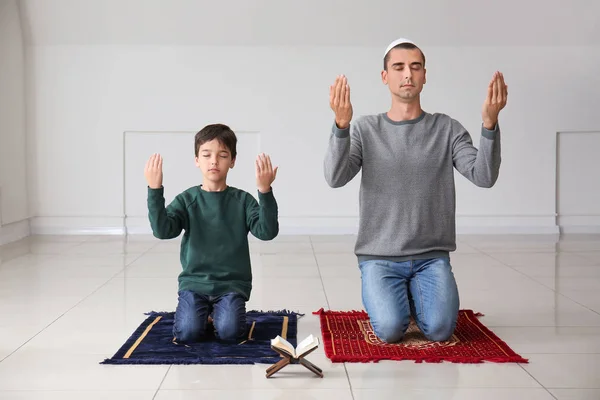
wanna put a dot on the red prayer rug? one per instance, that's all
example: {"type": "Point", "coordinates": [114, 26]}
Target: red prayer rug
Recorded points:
{"type": "Point", "coordinates": [349, 337]}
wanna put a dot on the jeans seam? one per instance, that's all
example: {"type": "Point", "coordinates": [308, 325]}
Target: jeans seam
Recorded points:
{"type": "Point", "coordinates": [424, 317]}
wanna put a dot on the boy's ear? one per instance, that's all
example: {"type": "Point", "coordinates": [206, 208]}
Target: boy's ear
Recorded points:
{"type": "Point", "coordinates": [232, 163]}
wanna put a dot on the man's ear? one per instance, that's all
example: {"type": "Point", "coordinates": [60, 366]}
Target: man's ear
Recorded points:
{"type": "Point", "coordinates": [197, 161]}
{"type": "Point", "coordinates": [384, 77]}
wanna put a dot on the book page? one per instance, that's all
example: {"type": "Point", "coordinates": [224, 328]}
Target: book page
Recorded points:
{"type": "Point", "coordinates": [284, 345]}
{"type": "Point", "coordinates": [306, 345]}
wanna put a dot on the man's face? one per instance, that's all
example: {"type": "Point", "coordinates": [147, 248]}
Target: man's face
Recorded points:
{"type": "Point", "coordinates": [405, 74]}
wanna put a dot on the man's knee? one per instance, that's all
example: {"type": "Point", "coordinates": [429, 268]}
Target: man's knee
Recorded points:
{"type": "Point", "coordinates": [439, 329]}
{"type": "Point", "coordinates": [390, 330]}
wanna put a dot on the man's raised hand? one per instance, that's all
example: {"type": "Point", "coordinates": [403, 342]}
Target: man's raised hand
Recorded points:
{"type": "Point", "coordinates": [497, 94]}
{"type": "Point", "coordinates": [339, 101]}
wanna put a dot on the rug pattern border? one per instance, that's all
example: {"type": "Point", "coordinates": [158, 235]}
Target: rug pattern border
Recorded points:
{"type": "Point", "coordinates": [117, 358]}
{"type": "Point", "coordinates": [511, 356]}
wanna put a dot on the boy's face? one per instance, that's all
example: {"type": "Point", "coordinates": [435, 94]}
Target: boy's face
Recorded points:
{"type": "Point", "coordinates": [214, 160]}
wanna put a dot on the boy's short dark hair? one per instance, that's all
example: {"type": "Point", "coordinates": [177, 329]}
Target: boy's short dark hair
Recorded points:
{"type": "Point", "coordinates": [222, 133]}
{"type": "Point", "coordinates": [408, 46]}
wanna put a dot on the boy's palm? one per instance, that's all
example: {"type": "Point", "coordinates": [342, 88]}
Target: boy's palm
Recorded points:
{"type": "Point", "coordinates": [265, 173]}
{"type": "Point", "coordinates": [153, 171]}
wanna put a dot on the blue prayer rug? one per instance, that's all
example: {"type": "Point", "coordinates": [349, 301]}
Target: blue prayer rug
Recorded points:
{"type": "Point", "coordinates": [152, 342]}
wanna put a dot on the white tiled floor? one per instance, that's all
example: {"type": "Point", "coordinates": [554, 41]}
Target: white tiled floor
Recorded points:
{"type": "Point", "coordinates": [69, 302]}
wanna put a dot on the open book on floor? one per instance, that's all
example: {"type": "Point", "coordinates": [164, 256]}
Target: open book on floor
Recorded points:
{"type": "Point", "coordinates": [303, 348]}
{"type": "Point", "coordinates": [291, 355]}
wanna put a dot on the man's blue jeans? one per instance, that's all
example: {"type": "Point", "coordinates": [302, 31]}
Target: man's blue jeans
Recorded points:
{"type": "Point", "coordinates": [425, 289]}
{"type": "Point", "coordinates": [191, 316]}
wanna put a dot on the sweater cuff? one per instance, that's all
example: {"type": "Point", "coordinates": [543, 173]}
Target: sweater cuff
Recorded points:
{"type": "Point", "coordinates": [341, 133]}
{"type": "Point", "coordinates": [156, 197]}
{"type": "Point", "coordinates": [266, 198]}
{"type": "Point", "coordinates": [490, 134]}
{"type": "Point", "coordinates": [156, 192]}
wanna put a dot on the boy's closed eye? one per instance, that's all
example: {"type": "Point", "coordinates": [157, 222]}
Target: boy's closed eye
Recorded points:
{"type": "Point", "coordinates": [220, 155]}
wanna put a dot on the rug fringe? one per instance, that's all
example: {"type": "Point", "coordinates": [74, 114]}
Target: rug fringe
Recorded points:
{"type": "Point", "coordinates": [432, 360]}
{"type": "Point", "coordinates": [275, 312]}
{"type": "Point", "coordinates": [228, 360]}
{"type": "Point", "coordinates": [278, 312]}
{"type": "Point", "coordinates": [158, 313]}
{"type": "Point", "coordinates": [322, 311]}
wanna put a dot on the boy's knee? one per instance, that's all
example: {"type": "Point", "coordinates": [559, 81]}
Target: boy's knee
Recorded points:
{"type": "Point", "coordinates": [188, 331]}
{"type": "Point", "coordinates": [230, 327]}
{"type": "Point", "coordinates": [230, 317]}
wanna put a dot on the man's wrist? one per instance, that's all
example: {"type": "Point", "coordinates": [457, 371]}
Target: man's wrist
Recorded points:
{"type": "Point", "coordinates": [490, 125]}
{"type": "Point", "coordinates": [264, 190]}
{"type": "Point", "coordinates": [342, 125]}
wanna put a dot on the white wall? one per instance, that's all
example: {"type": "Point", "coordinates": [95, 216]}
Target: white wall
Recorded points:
{"type": "Point", "coordinates": [86, 97]}
{"type": "Point", "coordinates": [578, 185]}
{"type": "Point", "coordinates": [14, 210]}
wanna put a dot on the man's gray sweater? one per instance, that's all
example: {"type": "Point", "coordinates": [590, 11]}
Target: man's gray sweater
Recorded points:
{"type": "Point", "coordinates": [407, 194]}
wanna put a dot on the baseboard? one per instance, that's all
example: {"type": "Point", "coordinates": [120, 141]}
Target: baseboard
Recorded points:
{"type": "Point", "coordinates": [77, 226]}
{"type": "Point", "coordinates": [14, 231]}
{"type": "Point", "coordinates": [465, 224]}
{"type": "Point", "coordinates": [586, 224]}
{"type": "Point", "coordinates": [481, 225]}
{"type": "Point", "coordinates": [581, 229]}
{"type": "Point", "coordinates": [287, 225]}
{"type": "Point", "coordinates": [506, 224]}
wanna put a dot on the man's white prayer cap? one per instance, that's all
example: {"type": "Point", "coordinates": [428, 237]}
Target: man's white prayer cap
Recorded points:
{"type": "Point", "coordinates": [396, 43]}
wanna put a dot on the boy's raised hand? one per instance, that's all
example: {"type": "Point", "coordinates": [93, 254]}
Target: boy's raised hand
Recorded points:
{"type": "Point", "coordinates": [265, 173]}
{"type": "Point", "coordinates": [153, 171]}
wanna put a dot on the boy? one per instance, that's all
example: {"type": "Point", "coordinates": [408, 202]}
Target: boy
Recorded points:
{"type": "Point", "coordinates": [216, 280]}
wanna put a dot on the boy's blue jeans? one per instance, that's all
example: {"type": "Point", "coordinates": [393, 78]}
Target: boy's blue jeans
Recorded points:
{"type": "Point", "coordinates": [191, 316]}
{"type": "Point", "coordinates": [425, 289]}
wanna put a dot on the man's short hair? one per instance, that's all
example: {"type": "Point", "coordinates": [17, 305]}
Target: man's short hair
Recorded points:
{"type": "Point", "coordinates": [401, 43]}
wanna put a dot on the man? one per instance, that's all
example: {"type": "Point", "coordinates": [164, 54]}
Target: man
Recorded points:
{"type": "Point", "coordinates": [407, 194]}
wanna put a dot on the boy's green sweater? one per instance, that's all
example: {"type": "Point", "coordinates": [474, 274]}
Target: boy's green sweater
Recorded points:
{"type": "Point", "coordinates": [214, 249]}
